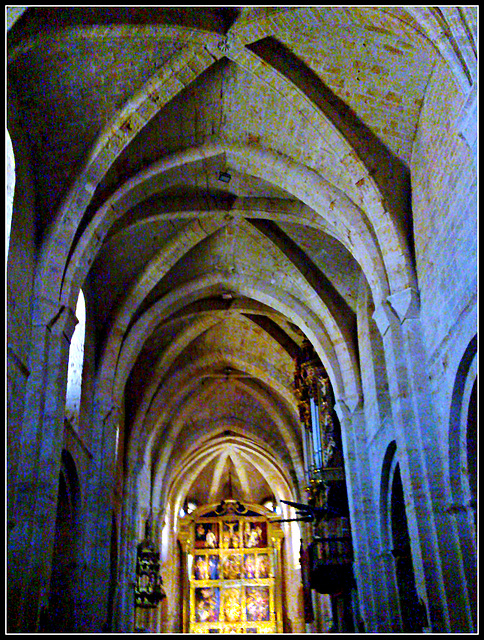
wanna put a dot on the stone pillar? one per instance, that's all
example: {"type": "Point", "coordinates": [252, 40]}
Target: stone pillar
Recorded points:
{"type": "Point", "coordinates": [125, 610]}
{"type": "Point", "coordinates": [364, 519]}
{"type": "Point", "coordinates": [97, 522]}
{"type": "Point", "coordinates": [436, 555]}
{"type": "Point", "coordinates": [36, 484]}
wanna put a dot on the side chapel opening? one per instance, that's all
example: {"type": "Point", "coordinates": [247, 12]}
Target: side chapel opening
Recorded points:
{"type": "Point", "coordinates": [411, 610]}
{"type": "Point", "coordinates": [60, 615]}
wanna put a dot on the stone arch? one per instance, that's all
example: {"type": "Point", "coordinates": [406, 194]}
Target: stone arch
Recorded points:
{"type": "Point", "coordinates": [263, 459]}
{"type": "Point", "coordinates": [463, 465]}
{"type": "Point", "coordinates": [182, 68]}
{"type": "Point", "coordinates": [342, 373]}
{"type": "Point", "coordinates": [168, 516]}
{"type": "Point", "coordinates": [110, 385]}
{"type": "Point", "coordinates": [453, 32]}
{"type": "Point", "coordinates": [401, 585]}
{"type": "Point", "coordinates": [462, 428]}
{"type": "Point", "coordinates": [168, 398]}
{"type": "Point", "coordinates": [119, 344]}
{"type": "Point", "coordinates": [273, 411]}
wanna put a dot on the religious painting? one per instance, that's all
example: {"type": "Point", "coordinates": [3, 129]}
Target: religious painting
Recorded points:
{"type": "Point", "coordinates": [255, 535]}
{"type": "Point", "coordinates": [262, 565]}
{"type": "Point", "coordinates": [231, 604]}
{"type": "Point", "coordinates": [232, 535]}
{"type": "Point", "coordinates": [206, 535]}
{"type": "Point", "coordinates": [257, 603]}
{"type": "Point", "coordinates": [205, 567]}
{"type": "Point", "coordinates": [250, 570]}
{"type": "Point", "coordinates": [232, 566]}
{"type": "Point", "coordinates": [207, 604]}
{"type": "Point", "coordinates": [213, 572]}
{"type": "Point", "coordinates": [200, 568]}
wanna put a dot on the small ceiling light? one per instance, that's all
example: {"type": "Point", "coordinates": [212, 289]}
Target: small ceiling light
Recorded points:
{"type": "Point", "coordinates": [224, 176]}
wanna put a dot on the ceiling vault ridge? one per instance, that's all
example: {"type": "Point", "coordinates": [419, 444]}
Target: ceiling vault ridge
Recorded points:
{"type": "Point", "coordinates": [100, 224]}
{"type": "Point", "coordinates": [128, 351]}
{"type": "Point", "coordinates": [177, 477]}
{"type": "Point", "coordinates": [124, 126]}
{"type": "Point", "coordinates": [169, 412]}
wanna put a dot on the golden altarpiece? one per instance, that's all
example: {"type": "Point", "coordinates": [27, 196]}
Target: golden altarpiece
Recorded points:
{"type": "Point", "coordinates": [232, 569]}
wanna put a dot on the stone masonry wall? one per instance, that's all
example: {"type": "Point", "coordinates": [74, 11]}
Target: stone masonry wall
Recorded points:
{"type": "Point", "coordinates": [444, 186]}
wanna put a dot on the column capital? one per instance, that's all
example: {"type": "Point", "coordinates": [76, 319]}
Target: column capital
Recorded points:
{"type": "Point", "coordinates": [384, 316]}
{"type": "Point", "coordinates": [45, 311]}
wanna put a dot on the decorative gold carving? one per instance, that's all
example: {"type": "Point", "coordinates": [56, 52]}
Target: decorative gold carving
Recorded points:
{"type": "Point", "coordinates": [148, 589]}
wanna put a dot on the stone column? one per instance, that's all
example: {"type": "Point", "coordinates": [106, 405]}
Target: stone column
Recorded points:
{"type": "Point", "coordinates": [125, 610]}
{"type": "Point", "coordinates": [436, 555]}
{"type": "Point", "coordinates": [36, 484]}
{"type": "Point", "coordinates": [364, 519]}
{"type": "Point", "coordinates": [97, 521]}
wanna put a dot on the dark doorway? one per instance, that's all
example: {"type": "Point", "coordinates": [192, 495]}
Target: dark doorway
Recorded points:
{"type": "Point", "coordinates": [60, 616]}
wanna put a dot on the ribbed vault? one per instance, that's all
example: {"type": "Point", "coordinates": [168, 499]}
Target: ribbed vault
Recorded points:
{"type": "Point", "coordinates": [202, 290]}
{"type": "Point", "coordinates": [222, 183]}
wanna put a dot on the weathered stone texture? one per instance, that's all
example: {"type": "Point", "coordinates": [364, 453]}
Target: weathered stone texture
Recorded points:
{"type": "Point", "coordinates": [445, 211]}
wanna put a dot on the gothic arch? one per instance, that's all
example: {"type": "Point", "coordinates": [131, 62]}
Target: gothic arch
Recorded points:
{"type": "Point", "coordinates": [462, 429]}
{"type": "Point", "coordinates": [355, 232]}
{"type": "Point", "coordinates": [463, 465]}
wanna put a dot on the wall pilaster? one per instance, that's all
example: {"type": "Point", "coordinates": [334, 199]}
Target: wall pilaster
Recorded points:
{"type": "Point", "coordinates": [36, 484]}
{"type": "Point", "coordinates": [370, 582]}
{"type": "Point", "coordinates": [439, 578]}
{"type": "Point", "coordinates": [97, 521]}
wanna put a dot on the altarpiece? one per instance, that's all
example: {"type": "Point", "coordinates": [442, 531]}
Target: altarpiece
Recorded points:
{"type": "Point", "coordinates": [232, 568]}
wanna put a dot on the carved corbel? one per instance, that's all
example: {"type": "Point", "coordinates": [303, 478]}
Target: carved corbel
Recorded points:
{"type": "Point", "coordinates": [406, 303]}
{"type": "Point", "coordinates": [383, 316]}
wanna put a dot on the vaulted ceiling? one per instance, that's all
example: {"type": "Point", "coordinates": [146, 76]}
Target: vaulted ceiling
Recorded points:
{"type": "Point", "coordinates": [200, 291]}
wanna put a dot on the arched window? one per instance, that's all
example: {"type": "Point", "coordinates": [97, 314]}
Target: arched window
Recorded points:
{"type": "Point", "coordinates": [10, 188]}
{"type": "Point", "coordinates": [76, 360]}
